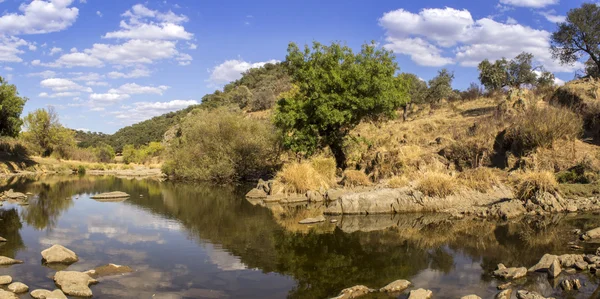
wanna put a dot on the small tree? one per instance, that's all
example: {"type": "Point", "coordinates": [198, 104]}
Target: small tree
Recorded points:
{"type": "Point", "coordinates": [337, 89]}
{"type": "Point", "coordinates": [440, 87]}
{"type": "Point", "coordinates": [493, 75]}
{"type": "Point", "coordinates": [520, 71]}
{"type": "Point", "coordinates": [579, 35]}
{"type": "Point", "coordinates": [503, 73]}
{"type": "Point", "coordinates": [104, 153]}
{"type": "Point", "coordinates": [44, 131]}
{"type": "Point", "coordinates": [545, 79]}
{"type": "Point", "coordinates": [417, 90]}
{"type": "Point", "coordinates": [11, 107]}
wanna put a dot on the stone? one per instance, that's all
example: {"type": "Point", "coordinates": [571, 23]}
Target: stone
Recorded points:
{"type": "Point", "coordinates": [256, 194]}
{"type": "Point", "coordinates": [396, 286]}
{"type": "Point", "coordinates": [317, 219]}
{"type": "Point", "coordinates": [581, 265]}
{"type": "Point", "coordinates": [598, 252]}
{"type": "Point", "coordinates": [544, 264]}
{"type": "Point", "coordinates": [591, 234]}
{"type": "Point", "coordinates": [10, 194]}
{"type": "Point", "coordinates": [592, 259]}
{"type": "Point", "coordinates": [470, 297]}
{"type": "Point", "coordinates": [18, 287]}
{"type": "Point", "coordinates": [7, 295]}
{"type": "Point", "coordinates": [504, 294]}
{"type": "Point", "coordinates": [5, 279]}
{"type": "Point", "coordinates": [59, 254]}
{"type": "Point", "coordinates": [354, 292]}
{"type": "Point", "coordinates": [555, 269]}
{"type": "Point", "coordinates": [6, 261]}
{"type": "Point", "coordinates": [314, 196]}
{"type": "Point", "coordinates": [571, 208]}
{"type": "Point", "coordinates": [420, 294]}
{"type": "Point", "coordinates": [2, 239]}
{"type": "Point", "coordinates": [108, 270]}
{"type": "Point", "coordinates": [110, 195]}
{"type": "Point", "coordinates": [45, 294]}
{"type": "Point", "coordinates": [504, 286]}
{"type": "Point", "coordinates": [566, 285]}
{"type": "Point", "coordinates": [576, 284]}
{"type": "Point", "coordinates": [510, 273]}
{"type": "Point", "coordinates": [569, 260]}
{"type": "Point", "coordinates": [74, 283]}
{"type": "Point", "coordinates": [570, 271]}
{"type": "Point", "coordinates": [522, 294]}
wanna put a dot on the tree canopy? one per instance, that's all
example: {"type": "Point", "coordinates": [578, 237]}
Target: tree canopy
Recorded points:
{"type": "Point", "coordinates": [440, 86]}
{"type": "Point", "coordinates": [336, 90]}
{"type": "Point", "coordinates": [11, 107]}
{"type": "Point", "coordinates": [579, 35]}
{"type": "Point", "coordinates": [514, 73]}
{"type": "Point", "coordinates": [44, 131]}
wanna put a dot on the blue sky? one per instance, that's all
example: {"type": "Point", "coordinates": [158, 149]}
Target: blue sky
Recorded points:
{"type": "Point", "coordinates": [105, 64]}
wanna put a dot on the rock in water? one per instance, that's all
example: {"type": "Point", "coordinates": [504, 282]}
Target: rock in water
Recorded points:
{"type": "Point", "coordinates": [45, 294]}
{"type": "Point", "coordinates": [7, 295]}
{"type": "Point", "coordinates": [420, 294]}
{"type": "Point", "coordinates": [470, 297]}
{"type": "Point", "coordinates": [504, 294]}
{"type": "Point", "coordinates": [74, 283]}
{"type": "Point", "coordinates": [10, 194]}
{"type": "Point", "coordinates": [510, 273]}
{"type": "Point", "coordinates": [59, 254]}
{"type": "Point", "coordinates": [18, 287]}
{"type": "Point", "coordinates": [5, 279]}
{"type": "Point", "coordinates": [554, 269]}
{"type": "Point", "coordinates": [544, 263]}
{"type": "Point", "coordinates": [396, 286]}
{"type": "Point", "coordinates": [256, 194]}
{"type": "Point", "coordinates": [111, 195]}
{"type": "Point", "coordinates": [354, 292]}
{"type": "Point", "coordinates": [318, 219]}
{"type": "Point", "coordinates": [2, 239]}
{"type": "Point", "coordinates": [6, 261]}
{"type": "Point", "coordinates": [108, 270]}
{"type": "Point", "coordinates": [591, 234]}
{"type": "Point", "coordinates": [522, 294]}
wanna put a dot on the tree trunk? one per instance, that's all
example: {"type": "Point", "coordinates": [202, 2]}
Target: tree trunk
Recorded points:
{"type": "Point", "coordinates": [338, 153]}
{"type": "Point", "coordinates": [406, 111]}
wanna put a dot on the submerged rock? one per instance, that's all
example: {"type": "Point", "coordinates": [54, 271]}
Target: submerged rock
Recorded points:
{"type": "Point", "coordinates": [354, 292]}
{"type": "Point", "coordinates": [420, 294]}
{"type": "Point", "coordinates": [555, 269]}
{"type": "Point", "coordinates": [111, 195]}
{"type": "Point", "coordinates": [544, 264]}
{"type": "Point", "coordinates": [108, 270]}
{"type": "Point", "coordinates": [317, 219]}
{"type": "Point", "coordinates": [74, 283]}
{"type": "Point", "coordinates": [10, 194]}
{"type": "Point", "coordinates": [5, 279]}
{"type": "Point", "coordinates": [6, 261]}
{"type": "Point", "coordinates": [45, 294]}
{"type": "Point", "coordinates": [591, 234]}
{"type": "Point", "coordinates": [510, 273]}
{"type": "Point", "coordinates": [7, 295]}
{"type": "Point", "coordinates": [2, 239]}
{"type": "Point", "coordinates": [396, 286]}
{"type": "Point", "coordinates": [18, 287]}
{"type": "Point", "coordinates": [256, 193]}
{"type": "Point", "coordinates": [522, 294]}
{"type": "Point", "coordinates": [59, 254]}
{"type": "Point", "coordinates": [470, 297]}
{"type": "Point", "coordinates": [504, 294]}
{"type": "Point", "coordinates": [570, 260]}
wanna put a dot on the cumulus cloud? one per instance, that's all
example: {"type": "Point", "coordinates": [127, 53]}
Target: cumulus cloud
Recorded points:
{"type": "Point", "coordinates": [55, 50]}
{"type": "Point", "coordinates": [231, 70]}
{"type": "Point", "coordinates": [145, 110]}
{"type": "Point", "coordinates": [10, 48]}
{"type": "Point", "coordinates": [133, 88]}
{"type": "Point", "coordinates": [64, 94]}
{"type": "Point", "coordinates": [44, 74]}
{"type": "Point", "coordinates": [39, 16]}
{"type": "Point", "coordinates": [145, 23]}
{"type": "Point", "coordinates": [136, 73]}
{"type": "Point", "coordinates": [530, 3]}
{"type": "Point", "coordinates": [86, 76]}
{"type": "Point", "coordinates": [63, 85]}
{"type": "Point", "coordinates": [108, 97]}
{"type": "Point", "coordinates": [552, 17]}
{"type": "Point", "coordinates": [437, 37]}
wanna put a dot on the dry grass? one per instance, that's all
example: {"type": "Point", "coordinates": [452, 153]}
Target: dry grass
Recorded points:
{"type": "Point", "coordinates": [301, 177]}
{"type": "Point", "coordinates": [481, 179]}
{"type": "Point", "coordinates": [398, 182]}
{"type": "Point", "coordinates": [325, 167]}
{"type": "Point", "coordinates": [355, 178]}
{"type": "Point", "coordinates": [437, 184]}
{"type": "Point", "coordinates": [532, 183]}
{"type": "Point", "coordinates": [564, 155]}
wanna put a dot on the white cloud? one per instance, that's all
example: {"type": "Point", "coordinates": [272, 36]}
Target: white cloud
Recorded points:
{"type": "Point", "coordinates": [8, 68]}
{"type": "Point", "coordinates": [63, 85]}
{"type": "Point", "coordinates": [192, 46]}
{"type": "Point", "coordinates": [63, 94]}
{"type": "Point", "coordinates": [86, 76]}
{"type": "Point", "coordinates": [231, 70]}
{"type": "Point", "coordinates": [10, 48]}
{"type": "Point", "coordinates": [96, 83]}
{"type": "Point", "coordinates": [511, 21]}
{"type": "Point", "coordinates": [436, 37]}
{"type": "Point", "coordinates": [39, 16]}
{"type": "Point", "coordinates": [99, 13]}
{"type": "Point", "coordinates": [145, 23]}
{"type": "Point", "coordinates": [44, 74]}
{"type": "Point", "coordinates": [55, 50]}
{"type": "Point", "coordinates": [108, 97]}
{"type": "Point", "coordinates": [133, 88]}
{"type": "Point", "coordinates": [530, 3]}
{"type": "Point", "coordinates": [136, 73]}
{"type": "Point", "coordinates": [32, 47]}
{"type": "Point", "coordinates": [552, 17]}
{"type": "Point", "coordinates": [145, 110]}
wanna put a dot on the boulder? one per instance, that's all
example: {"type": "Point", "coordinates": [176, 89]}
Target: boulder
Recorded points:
{"type": "Point", "coordinates": [6, 261]}
{"type": "Point", "coordinates": [354, 292]}
{"type": "Point", "coordinates": [508, 209]}
{"type": "Point", "coordinates": [420, 294]}
{"type": "Point", "coordinates": [314, 196]}
{"type": "Point", "coordinates": [2, 240]}
{"type": "Point", "coordinates": [555, 269]}
{"type": "Point", "coordinates": [5, 279]}
{"type": "Point", "coordinates": [45, 294]}
{"type": "Point", "coordinates": [566, 285]}
{"type": "Point", "coordinates": [60, 255]}
{"type": "Point", "coordinates": [396, 286]}
{"type": "Point", "coordinates": [111, 195]}
{"type": "Point", "coordinates": [581, 265]}
{"type": "Point", "coordinates": [7, 295]}
{"type": "Point", "coordinates": [504, 286]}
{"type": "Point", "coordinates": [10, 194]}
{"type": "Point", "coordinates": [74, 283]}
{"type": "Point", "coordinates": [504, 294]}
{"type": "Point", "coordinates": [510, 273]}
{"type": "Point", "coordinates": [18, 287]}
{"type": "Point", "coordinates": [108, 270]}
{"type": "Point", "coordinates": [544, 264]}
{"type": "Point", "coordinates": [591, 234]}
{"type": "Point", "coordinates": [569, 260]}
{"type": "Point", "coordinates": [256, 194]}
{"type": "Point", "coordinates": [522, 294]}
{"type": "Point", "coordinates": [470, 297]}
{"type": "Point", "coordinates": [317, 219]}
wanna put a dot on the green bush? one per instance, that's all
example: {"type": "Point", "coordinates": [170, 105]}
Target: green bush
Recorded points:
{"type": "Point", "coordinates": [221, 145]}
{"type": "Point", "coordinates": [105, 153]}
{"type": "Point", "coordinates": [143, 154]}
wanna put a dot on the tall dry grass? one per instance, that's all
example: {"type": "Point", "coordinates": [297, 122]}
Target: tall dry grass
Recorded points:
{"type": "Point", "coordinates": [481, 179]}
{"type": "Point", "coordinates": [302, 177]}
{"type": "Point", "coordinates": [533, 183]}
{"type": "Point", "coordinates": [437, 184]}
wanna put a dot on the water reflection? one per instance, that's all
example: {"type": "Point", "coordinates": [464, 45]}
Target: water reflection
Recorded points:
{"type": "Point", "coordinates": [198, 241]}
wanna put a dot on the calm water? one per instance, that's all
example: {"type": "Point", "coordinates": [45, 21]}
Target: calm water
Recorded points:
{"type": "Point", "coordinates": [196, 241]}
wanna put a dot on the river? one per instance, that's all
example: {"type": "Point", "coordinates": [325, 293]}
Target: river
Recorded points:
{"type": "Point", "coordinates": [189, 240]}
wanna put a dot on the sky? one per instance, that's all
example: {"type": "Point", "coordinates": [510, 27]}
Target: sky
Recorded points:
{"type": "Point", "coordinates": [106, 64]}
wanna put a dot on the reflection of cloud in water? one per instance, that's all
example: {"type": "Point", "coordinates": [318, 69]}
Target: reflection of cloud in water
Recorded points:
{"type": "Point", "coordinates": [63, 235]}
{"type": "Point", "coordinates": [222, 259]}
{"type": "Point", "coordinates": [142, 219]}
{"type": "Point", "coordinates": [122, 234]}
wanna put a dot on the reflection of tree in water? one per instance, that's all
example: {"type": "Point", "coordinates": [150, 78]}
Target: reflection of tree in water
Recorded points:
{"type": "Point", "coordinates": [10, 224]}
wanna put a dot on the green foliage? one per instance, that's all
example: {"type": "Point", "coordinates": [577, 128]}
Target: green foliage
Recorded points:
{"type": "Point", "coordinates": [440, 87]}
{"type": "Point", "coordinates": [520, 70]}
{"type": "Point", "coordinates": [45, 133]}
{"type": "Point", "coordinates": [545, 79]}
{"type": "Point", "coordinates": [221, 145]}
{"type": "Point", "coordinates": [11, 107]}
{"type": "Point", "coordinates": [493, 75]}
{"type": "Point", "coordinates": [104, 153]}
{"type": "Point", "coordinates": [337, 89]}
{"type": "Point", "coordinates": [579, 35]}
{"type": "Point", "coordinates": [81, 169]}
{"type": "Point", "coordinates": [417, 88]}
{"type": "Point", "coordinates": [143, 154]}
{"type": "Point", "coordinates": [514, 73]}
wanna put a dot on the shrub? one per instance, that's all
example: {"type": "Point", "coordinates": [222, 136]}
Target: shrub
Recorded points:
{"type": "Point", "coordinates": [81, 169]}
{"type": "Point", "coordinates": [105, 153]}
{"type": "Point", "coordinates": [324, 167]}
{"type": "Point", "coordinates": [221, 145]}
{"type": "Point", "coordinates": [531, 184]}
{"type": "Point", "coordinates": [398, 182]}
{"type": "Point", "coordinates": [302, 177]}
{"type": "Point", "coordinates": [354, 178]}
{"type": "Point", "coordinates": [13, 147]}
{"type": "Point", "coordinates": [582, 173]}
{"type": "Point", "coordinates": [437, 184]}
{"type": "Point", "coordinates": [541, 127]}
{"type": "Point", "coordinates": [481, 179]}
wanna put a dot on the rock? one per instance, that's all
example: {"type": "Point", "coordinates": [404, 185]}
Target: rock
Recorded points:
{"type": "Point", "coordinates": [74, 283]}
{"type": "Point", "coordinates": [2, 239]}
{"type": "Point", "coordinates": [470, 297]}
{"type": "Point", "coordinates": [333, 221]}
{"type": "Point", "coordinates": [18, 287]}
{"type": "Point", "coordinates": [571, 208]}
{"type": "Point", "coordinates": [569, 260]}
{"type": "Point", "coordinates": [45, 294]}
{"type": "Point", "coordinates": [317, 219]}
{"type": "Point", "coordinates": [108, 270]}
{"type": "Point", "coordinates": [504, 294]}
{"type": "Point", "coordinates": [111, 195]}
{"type": "Point", "coordinates": [544, 264]}
{"type": "Point", "coordinates": [256, 194]}
{"type": "Point", "coordinates": [420, 294]}
{"type": "Point", "coordinates": [592, 259]}
{"type": "Point", "coordinates": [264, 186]}
{"type": "Point", "coordinates": [5, 279]}
{"type": "Point", "coordinates": [555, 269]}
{"type": "Point", "coordinates": [6, 261]}
{"type": "Point", "coordinates": [504, 286]}
{"type": "Point", "coordinates": [522, 294]}
{"type": "Point", "coordinates": [508, 209]}
{"type": "Point", "coordinates": [581, 265]}
{"type": "Point", "coordinates": [570, 271]}
{"type": "Point", "coordinates": [396, 286]}
{"type": "Point", "coordinates": [314, 196]}
{"type": "Point", "coordinates": [354, 292]}
{"type": "Point", "coordinates": [576, 284]}
{"type": "Point", "coordinates": [598, 252]}
{"type": "Point", "coordinates": [7, 295]}
{"type": "Point", "coordinates": [591, 234]}
{"type": "Point", "coordinates": [59, 254]}
{"type": "Point", "coordinates": [10, 194]}
{"type": "Point", "coordinates": [510, 273]}
{"type": "Point", "coordinates": [566, 285]}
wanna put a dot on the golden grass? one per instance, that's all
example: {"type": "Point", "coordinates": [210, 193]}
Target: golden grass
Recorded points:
{"type": "Point", "coordinates": [565, 154]}
{"type": "Point", "coordinates": [437, 184]}
{"type": "Point", "coordinates": [529, 184]}
{"type": "Point", "coordinates": [480, 179]}
{"type": "Point", "coordinates": [325, 167]}
{"type": "Point", "coordinates": [355, 178]}
{"type": "Point", "coordinates": [301, 177]}
{"type": "Point", "coordinates": [398, 182]}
